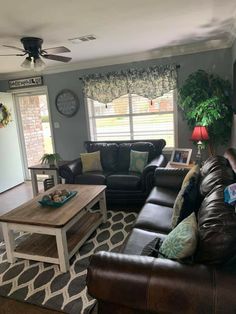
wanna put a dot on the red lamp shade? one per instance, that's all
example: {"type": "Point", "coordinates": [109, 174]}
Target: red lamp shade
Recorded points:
{"type": "Point", "coordinates": [200, 133]}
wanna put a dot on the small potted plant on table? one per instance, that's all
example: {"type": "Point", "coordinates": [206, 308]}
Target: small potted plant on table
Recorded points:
{"type": "Point", "coordinates": [50, 159]}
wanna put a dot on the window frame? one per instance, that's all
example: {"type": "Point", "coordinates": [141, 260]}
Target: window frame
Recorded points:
{"type": "Point", "coordinates": [130, 115]}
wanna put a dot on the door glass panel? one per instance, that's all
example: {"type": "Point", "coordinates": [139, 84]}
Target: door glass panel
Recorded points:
{"type": "Point", "coordinates": [36, 127]}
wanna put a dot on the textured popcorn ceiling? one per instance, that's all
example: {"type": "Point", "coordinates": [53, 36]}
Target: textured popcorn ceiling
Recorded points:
{"type": "Point", "coordinates": [126, 30]}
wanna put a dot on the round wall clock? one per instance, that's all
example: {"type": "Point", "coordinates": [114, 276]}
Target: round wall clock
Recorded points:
{"type": "Point", "coordinates": [67, 103]}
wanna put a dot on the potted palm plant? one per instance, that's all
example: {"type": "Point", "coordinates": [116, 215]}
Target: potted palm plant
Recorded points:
{"type": "Point", "coordinates": [50, 159]}
{"type": "Point", "coordinates": [206, 100]}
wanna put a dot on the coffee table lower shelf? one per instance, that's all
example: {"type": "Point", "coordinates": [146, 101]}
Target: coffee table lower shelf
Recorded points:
{"type": "Point", "coordinates": [42, 247]}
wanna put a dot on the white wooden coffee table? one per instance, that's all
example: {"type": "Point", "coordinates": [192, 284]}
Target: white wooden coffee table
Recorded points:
{"type": "Point", "coordinates": [56, 233]}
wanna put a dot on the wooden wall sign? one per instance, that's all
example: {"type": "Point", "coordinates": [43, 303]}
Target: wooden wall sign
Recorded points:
{"type": "Point", "coordinates": [26, 82]}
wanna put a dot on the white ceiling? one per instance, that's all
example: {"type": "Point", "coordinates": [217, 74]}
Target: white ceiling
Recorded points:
{"type": "Point", "coordinates": [126, 30]}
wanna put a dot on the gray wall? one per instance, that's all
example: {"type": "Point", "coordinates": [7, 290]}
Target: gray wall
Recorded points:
{"type": "Point", "coordinates": [234, 51]}
{"type": "Point", "coordinates": [233, 136]}
{"type": "Point", "coordinates": [73, 131]}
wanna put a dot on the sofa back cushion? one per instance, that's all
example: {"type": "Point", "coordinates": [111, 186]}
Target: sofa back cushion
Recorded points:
{"type": "Point", "coordinates": [124, 156]}
{"type": "Point", "coordinates": [215, 171]}
{"type": "Point", "coordinates": [109, 154]}
{"type": "Point", "coordinates": [115, 156]}
{"type": "Point", "coordinates": [216, 219]}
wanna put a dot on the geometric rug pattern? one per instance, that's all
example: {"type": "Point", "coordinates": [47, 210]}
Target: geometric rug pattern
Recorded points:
{"type": "Point", "coordinates": [43, 284]}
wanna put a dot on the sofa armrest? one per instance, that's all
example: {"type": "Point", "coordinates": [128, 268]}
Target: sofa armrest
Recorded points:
{"type": "Point", "coordinates": [170, 177]}
{"type": "Point", "coordinates": [148, 172]}
{"type": "Point", "coordinates": [70, 170]}
{"type": "Point", "coordinates": [150, 284]}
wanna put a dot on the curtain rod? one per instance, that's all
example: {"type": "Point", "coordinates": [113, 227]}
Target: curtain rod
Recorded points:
{"type": "Point", "coordinates": [177, 67]}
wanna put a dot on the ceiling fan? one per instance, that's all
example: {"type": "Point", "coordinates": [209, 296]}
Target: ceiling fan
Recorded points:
{"type": "Point", "coordinates": [34, 51]}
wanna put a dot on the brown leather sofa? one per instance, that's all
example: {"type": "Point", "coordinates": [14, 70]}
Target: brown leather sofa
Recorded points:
{"type": "Point", "coordinates": [128, 283]}
{"type": "Point", "coordinates": [123, 186]}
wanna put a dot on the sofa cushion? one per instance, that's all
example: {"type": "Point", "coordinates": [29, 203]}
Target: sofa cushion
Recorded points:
{"type": "Point", "coordinates": [124, 181]}
{"type": "Point", "coordinates": [162, 196]}
{"type": "Point", "coordinates": [181, 242]}
{"type": "Point", "coordinates": [91, 162]}
{"type": "Point", "coordinates": [124, 153]}
{"type": "Point", "coordinates": [109, 154]}
{"type": "Point", "coordinates": [155, 218]}
{"type": "Point", "coordinates": [138, 239]}
{"type": "Point", "coordinates": [217, 229]}
{"type": "Point", "coordinates": [91, 177]}
{"type": "Point", "coordinates": [138, 160]}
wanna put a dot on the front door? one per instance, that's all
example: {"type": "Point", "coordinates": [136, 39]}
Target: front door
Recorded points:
{"type": "Point", "coordinates": [11, 169]}
{"type": "Point", "coordinates": [35, 127]}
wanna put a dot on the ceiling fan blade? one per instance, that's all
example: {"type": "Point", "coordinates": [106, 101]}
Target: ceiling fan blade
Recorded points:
{"type": "Point", "coordinates": [56, 50]}
{"type": "Point", "coordinates": [21, 55]}
{"type": "Point", "coordinates": [57, 58]}
{"type": "Point", "coordinates": [13, 47]}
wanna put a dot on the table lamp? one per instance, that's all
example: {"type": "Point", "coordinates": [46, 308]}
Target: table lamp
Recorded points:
{"type": "Point", "coordinates": [199, 134]}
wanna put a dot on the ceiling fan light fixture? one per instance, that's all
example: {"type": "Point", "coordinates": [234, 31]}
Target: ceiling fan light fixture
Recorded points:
{"type": "Point", "coordinates": [26, 64]}
{"type": "Point", "coordinates": [39, 64]}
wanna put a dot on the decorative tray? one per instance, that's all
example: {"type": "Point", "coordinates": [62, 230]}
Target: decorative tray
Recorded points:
{"type": "Point", "coordinates": [58, 204]}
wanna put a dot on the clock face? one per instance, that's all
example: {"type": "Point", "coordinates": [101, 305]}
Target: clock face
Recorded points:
{"type": "Point", "coordinates": [67, 103]}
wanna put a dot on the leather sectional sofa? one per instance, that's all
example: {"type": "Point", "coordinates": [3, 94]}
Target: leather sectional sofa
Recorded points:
{"type": "Point", "coordinates": [123, 186]}
{"type": "Point", "coordinates": [129, 283]}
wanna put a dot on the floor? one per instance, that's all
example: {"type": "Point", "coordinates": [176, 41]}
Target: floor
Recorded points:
{"type": "Point", "coordinates": [8, 201]}
{"type": "Point", "coordinates": [15, 197]}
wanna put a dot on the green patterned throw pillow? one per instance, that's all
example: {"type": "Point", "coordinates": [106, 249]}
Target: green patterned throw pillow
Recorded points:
{"type": "Point", "coordinates": [138, 161]}
{"type": "Point", "coordinates": [181, 242]}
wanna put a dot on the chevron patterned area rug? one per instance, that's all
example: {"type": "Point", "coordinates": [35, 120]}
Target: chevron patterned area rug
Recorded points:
{"type": "Point", "coordinates": [43, 284]}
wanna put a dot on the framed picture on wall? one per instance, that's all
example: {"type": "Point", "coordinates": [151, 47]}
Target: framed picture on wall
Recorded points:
{"type": "Point", "coordinates": [181, 156]}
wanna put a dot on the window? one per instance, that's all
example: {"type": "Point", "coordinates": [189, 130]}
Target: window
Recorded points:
{"type": "Point", "coordinates": [133, 117]}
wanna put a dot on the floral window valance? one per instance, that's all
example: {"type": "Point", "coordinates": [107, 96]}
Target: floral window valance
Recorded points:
{"type": "Point", "coordinates": [151, 83]}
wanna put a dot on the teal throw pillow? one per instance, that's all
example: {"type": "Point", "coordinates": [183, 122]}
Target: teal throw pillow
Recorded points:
{"type": "Point", "coordinates": [138, 161]}
{"type": "Point", "coordinates": [181, 242]}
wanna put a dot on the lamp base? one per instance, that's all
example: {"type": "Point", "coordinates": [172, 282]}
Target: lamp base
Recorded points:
{"type": "Point", "coordinates": [199, 154]}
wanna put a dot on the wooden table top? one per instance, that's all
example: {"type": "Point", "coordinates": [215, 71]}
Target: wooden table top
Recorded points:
{"type": "Point", "coordinates": [33, 213]}
{"type": "Point", "coordinates": [173, 165]}
{"type": "Point", "coordinates": [47, 166]}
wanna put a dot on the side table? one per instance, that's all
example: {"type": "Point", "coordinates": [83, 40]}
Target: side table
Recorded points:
{"type": "Point", "coordinates": [43, 169]}
{"type": "Point", "coordinates": [171, 165]}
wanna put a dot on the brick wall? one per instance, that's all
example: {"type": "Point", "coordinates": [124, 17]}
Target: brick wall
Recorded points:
{"type": "Point", "coordinates": [32, 128]}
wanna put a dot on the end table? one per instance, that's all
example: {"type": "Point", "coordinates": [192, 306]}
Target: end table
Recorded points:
{"type": "Point", "coordinates": [43, 169]}
{"type": "Point", "coordinates": [170, 165]}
